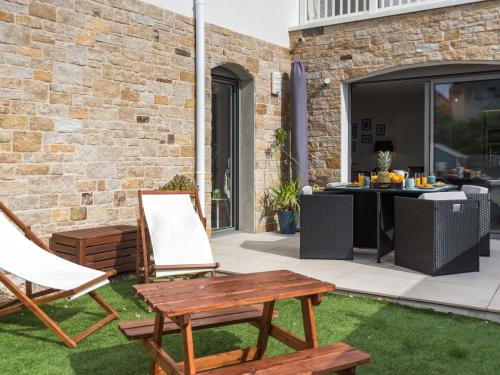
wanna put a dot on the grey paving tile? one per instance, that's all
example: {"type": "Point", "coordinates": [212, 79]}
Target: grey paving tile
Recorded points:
{"type": "Point", "coordinates": [244, 253]}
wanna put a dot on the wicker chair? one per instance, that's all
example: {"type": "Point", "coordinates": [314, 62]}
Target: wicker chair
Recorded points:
{"type": "Point", "coordinates": [481, 194]}
{"type": "Point", "coordinates": [326, 226]}
{"type": "Point", "coordinates": [437, 237]}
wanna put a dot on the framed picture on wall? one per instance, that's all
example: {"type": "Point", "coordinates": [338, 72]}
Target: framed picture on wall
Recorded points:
{"type": "Point", "coordinates": [353, 147]}
{"type": "Point", "coordinates": [366, 124]}
{"type": "Point", "coordinates": [380, 129]}
{"type": "Point", "coordinates": [354, 131]}
{"type": "Point", "coordinates": [366, 138]}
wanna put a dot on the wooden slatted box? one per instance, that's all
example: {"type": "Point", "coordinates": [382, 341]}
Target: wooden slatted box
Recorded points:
{"type": "Point", "coordinates": [104, 248]}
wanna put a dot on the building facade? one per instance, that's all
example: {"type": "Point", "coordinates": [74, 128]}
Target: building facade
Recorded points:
{"type": "Point", "coordinates": [98, 98]}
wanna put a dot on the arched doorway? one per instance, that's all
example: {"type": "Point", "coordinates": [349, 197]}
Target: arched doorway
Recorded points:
{"type": "Point", "coordinates": [232, 144]}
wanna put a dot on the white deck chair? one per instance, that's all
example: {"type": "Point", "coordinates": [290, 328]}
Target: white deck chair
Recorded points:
{"type": "Point", "coordinates": [25, 255]}
{"type": "Point", "coordinates": [174, 229]}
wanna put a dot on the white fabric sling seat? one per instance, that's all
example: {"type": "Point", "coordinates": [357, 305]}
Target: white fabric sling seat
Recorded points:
{"type": "Point", "coordinates": [177, 235]}
{"type": "Point", "coordinates": [24, 255]}
{"type": "Point", "coordinates": [23, 258]}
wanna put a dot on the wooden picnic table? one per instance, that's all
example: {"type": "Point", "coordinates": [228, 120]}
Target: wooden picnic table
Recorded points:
{"type": "Point", "coordinates": [179, 300]}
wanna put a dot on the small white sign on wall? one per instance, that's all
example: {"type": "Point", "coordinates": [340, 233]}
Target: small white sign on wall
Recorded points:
{"type": "Point", "coordinates": [276, 83]}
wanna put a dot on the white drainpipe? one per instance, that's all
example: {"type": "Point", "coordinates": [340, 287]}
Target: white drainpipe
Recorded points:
{"type": "Point", "coordinates": [200, 100]}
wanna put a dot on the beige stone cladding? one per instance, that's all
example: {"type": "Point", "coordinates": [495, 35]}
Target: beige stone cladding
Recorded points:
{"type": "Point", "coordinates": [346, 51]}
{"type": "Point", "coordinates": [97, 101]}
{"type": "Point", "coordinates": [259, 59]}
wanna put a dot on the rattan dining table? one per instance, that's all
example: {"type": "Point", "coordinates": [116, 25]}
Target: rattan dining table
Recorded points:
{"type": "Point", "coordinates": [374, 213]}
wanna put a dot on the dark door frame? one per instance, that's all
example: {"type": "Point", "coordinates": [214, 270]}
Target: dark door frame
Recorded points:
{"type": "Point", "coordinates": [234, 145]}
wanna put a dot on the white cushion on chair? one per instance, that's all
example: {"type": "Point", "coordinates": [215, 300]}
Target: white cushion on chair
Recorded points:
{"type": "Point", "coordinates": [444, 196]}
{"type": "Point", "coordinates": [474, 189]}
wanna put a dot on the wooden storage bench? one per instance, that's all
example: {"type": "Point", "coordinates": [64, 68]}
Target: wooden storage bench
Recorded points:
{"type": "Point", "coordinates": [104, 248]}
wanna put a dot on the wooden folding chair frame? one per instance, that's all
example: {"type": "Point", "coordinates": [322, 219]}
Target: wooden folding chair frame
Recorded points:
{"type": "Point", "coordinates": [32, 301]}
{"type": "Point", "coordinates": [144, 246]}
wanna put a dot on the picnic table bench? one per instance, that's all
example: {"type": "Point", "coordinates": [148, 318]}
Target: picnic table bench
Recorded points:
{"type": "Point", "coordinates": [185, 306]}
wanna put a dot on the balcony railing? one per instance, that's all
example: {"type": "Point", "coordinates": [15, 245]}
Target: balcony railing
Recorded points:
{"type": "Point", "coordinates": [324, 12]}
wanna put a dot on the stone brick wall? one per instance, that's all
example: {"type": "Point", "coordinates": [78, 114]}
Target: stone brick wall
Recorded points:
{"type": "Point", "coordinates": [352, 50]}
{"type": "Point", "coordinates": [97, 101]}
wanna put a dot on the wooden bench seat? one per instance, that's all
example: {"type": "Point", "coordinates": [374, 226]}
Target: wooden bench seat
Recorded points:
{"type": "Point", "coordinates": [339, 358]}
{"type": "Point", "coordinates": [143, 329]}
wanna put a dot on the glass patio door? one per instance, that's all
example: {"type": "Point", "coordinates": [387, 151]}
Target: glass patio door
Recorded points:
{"type": "Point", "coordinates": [224, 155]}
{"type": "Point", "coordinates": [467, 136]}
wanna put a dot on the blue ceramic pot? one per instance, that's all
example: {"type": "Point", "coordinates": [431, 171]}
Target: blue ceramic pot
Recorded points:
{"type": "Point", "coordinates": [288, 224]}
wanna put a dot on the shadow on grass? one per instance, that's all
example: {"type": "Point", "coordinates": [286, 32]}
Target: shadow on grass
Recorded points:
{"type": "Point", "coordinates": [132, 358]}
{"type": "Point", "coordinates": [404, 340]}
{"type": "Point", "coordinates": [25, 318]}
{"type": "Point", "coordinates": [25, 324]}
{"type": "Point", "coordinates": [129, 358]}
{"type": "Point", "coordinates": [124, 289]}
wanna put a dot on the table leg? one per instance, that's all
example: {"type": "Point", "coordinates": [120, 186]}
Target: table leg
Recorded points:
{"type": "Point", "coordinates": [158, 336]}
{"type": "Point", "coordinates": [379, 226]}
{"type": "Point", "coordinates": [265, 328]}
{"type": "Point", "coordinates": [385, 224]}
{"type": "Point", "coordinates": [217, 214]}
{"type": "Point", "coordinates": [310, 332]}
{"type": "Point", "coordinates": [187, 344]}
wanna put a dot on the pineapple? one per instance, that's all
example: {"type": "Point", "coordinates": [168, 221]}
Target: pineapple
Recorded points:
{"type": "Point", "coordinates": [384, 163]}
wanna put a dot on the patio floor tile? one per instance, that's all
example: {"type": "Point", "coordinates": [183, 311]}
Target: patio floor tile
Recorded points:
{"type": "Point", "coordinates": [244, 253]}
{"type": "Point", "coordinates": [495, 302]}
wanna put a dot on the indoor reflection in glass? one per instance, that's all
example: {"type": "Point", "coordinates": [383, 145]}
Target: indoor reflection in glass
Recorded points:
{"type": "Point", "coordinates": [467, 136]}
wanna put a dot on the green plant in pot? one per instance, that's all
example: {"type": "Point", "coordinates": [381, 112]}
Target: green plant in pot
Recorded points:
{"type": "Point", "coordinates": [285, 198]}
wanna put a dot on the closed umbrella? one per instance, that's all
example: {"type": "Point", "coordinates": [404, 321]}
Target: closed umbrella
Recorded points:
{"type": "Point", "coordinates": [298, 92]}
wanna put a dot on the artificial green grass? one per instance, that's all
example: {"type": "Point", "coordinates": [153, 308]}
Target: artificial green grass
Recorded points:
{"type": "Point", "coordinates": [401, 340]}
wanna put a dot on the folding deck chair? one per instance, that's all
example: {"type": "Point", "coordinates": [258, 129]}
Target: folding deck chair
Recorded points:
{"type": "Point", "coordinates": [174, 229]}
{"type": "Point", "coordinates": [28, 257]}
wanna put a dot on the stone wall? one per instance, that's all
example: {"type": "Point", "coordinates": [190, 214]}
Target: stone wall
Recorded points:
{"type": "Point", "coordinates": [352, 50]}
{"type": "Point", "coordinates": [97, 101]}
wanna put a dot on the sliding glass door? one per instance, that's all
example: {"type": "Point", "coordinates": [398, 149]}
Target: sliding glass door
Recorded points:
{"type": "Point", "coordinates": [466, 135]}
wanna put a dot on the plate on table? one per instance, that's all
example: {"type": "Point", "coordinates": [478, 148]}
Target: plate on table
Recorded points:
{"type": "Point", "coordinates": [426, 187]}
{"type": "Point", "coordinates": [354, 184]}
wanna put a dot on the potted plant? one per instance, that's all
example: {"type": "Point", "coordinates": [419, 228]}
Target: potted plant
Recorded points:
{"type": "Point", "coordinates": [180, 182]}
{"type": "Point", "coordinates": [286, 203]}
{"type": "Point", "coordinates": [284, 196]}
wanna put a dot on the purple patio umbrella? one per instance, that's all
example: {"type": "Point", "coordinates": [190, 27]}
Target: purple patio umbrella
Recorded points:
{"type": "Point", "coordinates": [298, 93]}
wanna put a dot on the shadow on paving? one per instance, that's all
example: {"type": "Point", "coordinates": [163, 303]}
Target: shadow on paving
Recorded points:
{"type": "Point", "coordinates": [287, 247]}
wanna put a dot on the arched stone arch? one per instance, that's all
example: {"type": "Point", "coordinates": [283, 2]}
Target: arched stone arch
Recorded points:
{"type": "Point", "coordinates": [246, 142]}
{"type": "Point", "coordinates": [427, 69]}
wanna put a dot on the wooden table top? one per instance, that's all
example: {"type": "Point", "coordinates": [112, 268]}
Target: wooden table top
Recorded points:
{"type": "Point", "coordinates": [200, 295]}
